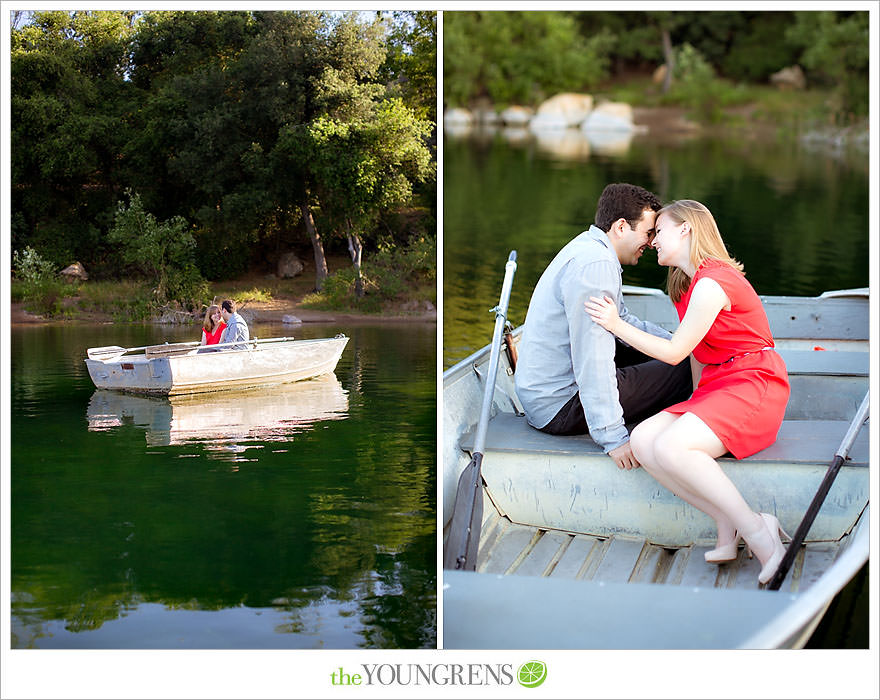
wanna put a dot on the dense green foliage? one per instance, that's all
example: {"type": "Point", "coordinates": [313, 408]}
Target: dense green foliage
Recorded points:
{"type": "Point", "coordinates": [37, 282]}
{"type": "Point", "coordinates": [528, 56]}
{"type": "Point", "coordinates": [208, 117]}
{"type": "Point", "coordinates": [517, 56]}
{"type": "Point", "coordinates": [163, 251]}
{"type": "Point", "coordinates": [386, 275]}
{"type": "Point", "coordinates": [836, 51]}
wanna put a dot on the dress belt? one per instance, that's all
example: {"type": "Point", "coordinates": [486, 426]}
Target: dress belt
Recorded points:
{"type": "Point", "coordinates": [743, 354]}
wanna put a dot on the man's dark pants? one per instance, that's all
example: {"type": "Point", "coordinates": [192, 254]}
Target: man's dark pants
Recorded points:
{"type": "Point", "coordinates": [645, 387]}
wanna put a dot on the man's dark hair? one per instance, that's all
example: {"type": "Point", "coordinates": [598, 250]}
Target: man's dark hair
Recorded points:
{"type": "Point", "coordinates": [621, 200]}
{"type": "Point", "coordinates": [229, 305]}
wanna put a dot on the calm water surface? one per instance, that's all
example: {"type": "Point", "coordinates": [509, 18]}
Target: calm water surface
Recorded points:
{"type": "Point", "coordinates": [796, 218]}
{"type": "Point", "coordinates": [296, 517]}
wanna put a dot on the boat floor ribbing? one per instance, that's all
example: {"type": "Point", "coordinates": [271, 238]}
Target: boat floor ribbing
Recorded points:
{"type": "Point", "coordinates": [507, 548]}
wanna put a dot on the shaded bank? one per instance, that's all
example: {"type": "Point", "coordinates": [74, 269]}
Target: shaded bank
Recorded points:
{"type": "Point", "coordinates": [263, 312]}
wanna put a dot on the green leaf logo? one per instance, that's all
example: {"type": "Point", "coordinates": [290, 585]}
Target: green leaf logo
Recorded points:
{"type": "Point", "coordinates": [532, 673]}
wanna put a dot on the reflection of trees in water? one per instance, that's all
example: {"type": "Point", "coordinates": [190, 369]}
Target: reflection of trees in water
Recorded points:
{"type": "Point", "coordinates": [499, 198]}
{"type": "Point", "coordinates": [84, 612]}
{"type": "Point", "coordinates": [329, 525]}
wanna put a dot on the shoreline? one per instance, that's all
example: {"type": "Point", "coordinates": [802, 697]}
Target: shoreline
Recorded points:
{"type": "Point", "coordinates": [256, 312]}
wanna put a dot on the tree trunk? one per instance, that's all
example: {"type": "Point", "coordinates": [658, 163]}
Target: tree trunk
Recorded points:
{"type": "Point", "coordinates": [355, 249]}
{"type": "Point", "coordinates": [321, 272]}
{"type": "Point", "coordinates": [669, 58]}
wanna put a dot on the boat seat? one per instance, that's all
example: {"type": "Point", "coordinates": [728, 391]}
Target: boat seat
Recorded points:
{"type": "Point", "coordinates": [834, 363]}
{"type": "Point", "coordinates": [798, 442]}
{"type": "Point", "coordinates": [569, 483]}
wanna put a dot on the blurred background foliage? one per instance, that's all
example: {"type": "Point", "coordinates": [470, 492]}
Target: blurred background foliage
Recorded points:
{"type": "Point", "coordinates": [526, 57]}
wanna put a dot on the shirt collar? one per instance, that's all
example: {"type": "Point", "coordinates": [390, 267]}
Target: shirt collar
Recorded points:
{"type": "Point", "coordinates": [600, 236]}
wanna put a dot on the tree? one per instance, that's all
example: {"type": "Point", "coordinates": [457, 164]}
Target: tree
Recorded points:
{"type": "Point", "coordinates": [410, 68]}
{"type": "Point", "coordinates": [177, 60]}
{"type": "Point", "coordinates": [163, 251]}
{"type": "Point", "coordinates": [188, 109]}
{"type": "Point", "coordinates": [523, 57]}
{"type": "Point", "coordinates": [836, 49]}
{"type": "Point", "coordinates": [221, 123]}
{"type": "Point", "coordinates": [68, 95]}
{"type": "Point", "coordinates": [365, 166]}
{"type": "Point", "coordinates": [667, 23]}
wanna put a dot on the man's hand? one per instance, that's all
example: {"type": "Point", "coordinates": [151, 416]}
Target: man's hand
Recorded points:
{"type": "Point", "coordinates": [623, 457]}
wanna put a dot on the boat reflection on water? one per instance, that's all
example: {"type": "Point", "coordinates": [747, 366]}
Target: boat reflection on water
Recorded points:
{"type": "Point", "coordinates": [222, 421]}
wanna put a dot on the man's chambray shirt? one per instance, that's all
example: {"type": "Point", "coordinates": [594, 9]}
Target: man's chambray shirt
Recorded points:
{"type": "Point", "coordinates": [236, 331]}
{"type": "Point", "coordinates": [562, 352]}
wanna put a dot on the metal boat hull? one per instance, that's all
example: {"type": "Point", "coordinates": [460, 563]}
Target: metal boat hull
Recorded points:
{"type": "Point", "coordinates": [576, 554]}
{"type": "Point", "coordinates": [196, 372]}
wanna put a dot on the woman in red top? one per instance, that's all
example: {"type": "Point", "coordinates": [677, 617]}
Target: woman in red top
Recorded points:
{"type": "Point", "coordinates": [742, 392]}
{"type": "Point", "coordinates": [213, 326]}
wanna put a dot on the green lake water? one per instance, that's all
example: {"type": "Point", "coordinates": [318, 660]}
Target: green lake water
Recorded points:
{"type": "Point", "coordinates": [302, 516]}
{"type": "Point", "coordinates": [796, 217]}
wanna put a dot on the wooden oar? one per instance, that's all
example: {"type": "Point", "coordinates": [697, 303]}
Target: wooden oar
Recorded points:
{"type": "Point", "coordinates": [467, 514]}
{"type": "Point", "coordinates": [819, 498]}
{"type": "Point", "coordinates": [111, 352]}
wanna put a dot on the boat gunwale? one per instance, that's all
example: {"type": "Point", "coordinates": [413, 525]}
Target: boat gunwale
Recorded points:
{"type": "Point", "coordinates": [261, 346]}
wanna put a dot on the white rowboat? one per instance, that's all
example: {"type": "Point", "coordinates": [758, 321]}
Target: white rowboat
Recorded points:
{"type": "Point", "coordinates": [575, 553]}
{"type": "Point", "coordinates": [188, 368]}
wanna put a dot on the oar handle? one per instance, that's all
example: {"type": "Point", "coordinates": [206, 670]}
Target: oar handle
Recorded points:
{"type": "Point", "coordinates": [494, 355]}
{"type": "Point", "coordinates": [854, 427]}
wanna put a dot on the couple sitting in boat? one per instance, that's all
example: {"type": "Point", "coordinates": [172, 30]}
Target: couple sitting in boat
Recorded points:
{"type": "Point", "coordinates": [224, 325]}
{"type": "Point", "coordinates": [715, 385]}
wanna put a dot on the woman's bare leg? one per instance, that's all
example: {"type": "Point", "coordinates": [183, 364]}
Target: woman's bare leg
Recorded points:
{"type": "Point", "coordinates": [643, 441]}
{"type": "Point", "coordinates": [686, 450]}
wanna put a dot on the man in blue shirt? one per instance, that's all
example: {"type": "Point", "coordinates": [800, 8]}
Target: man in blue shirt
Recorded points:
{"type": "Point", "coordinates": [236, 329]}
{"type": "Point", "coordinates": [572, 375]}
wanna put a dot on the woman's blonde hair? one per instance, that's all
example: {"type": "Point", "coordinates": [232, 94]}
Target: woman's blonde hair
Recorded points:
{"type": "Point", "coordinates": [706, 242]}
{"type": "Point", "coordinates": [208, 324]}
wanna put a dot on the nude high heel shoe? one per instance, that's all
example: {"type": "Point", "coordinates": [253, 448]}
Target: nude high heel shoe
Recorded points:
{"type": "Point", "coordinates": [725, 552]}
{"type": "Point", "coordinates": [769, 536]}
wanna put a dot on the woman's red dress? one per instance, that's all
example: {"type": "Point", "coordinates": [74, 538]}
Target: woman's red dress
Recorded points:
{"type": "Point", "coordinates": [743, 390]}
{"type": "Point", "coordinates": [214, 338]}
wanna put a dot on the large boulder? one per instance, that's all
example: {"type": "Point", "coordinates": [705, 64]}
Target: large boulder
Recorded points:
{"type": "Point", "coordinates": [517, 116]}
{"type": "Point", "coordinates": [791, 78]}
{"type": "Point", "coordinates": [610, 116]}
{"type": "Point", "coordinates": [562, 111]}
{"type": "Point", "coordinates": [289, 265]}
{"type": "Point", "coordinates": [457, 116]}
{"type": "Point", "coordinates": [74, 273]}
{"type": "Point", "coordinates": [458, 122]}
{"type": "Point", "coordinates": [659, 74]}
